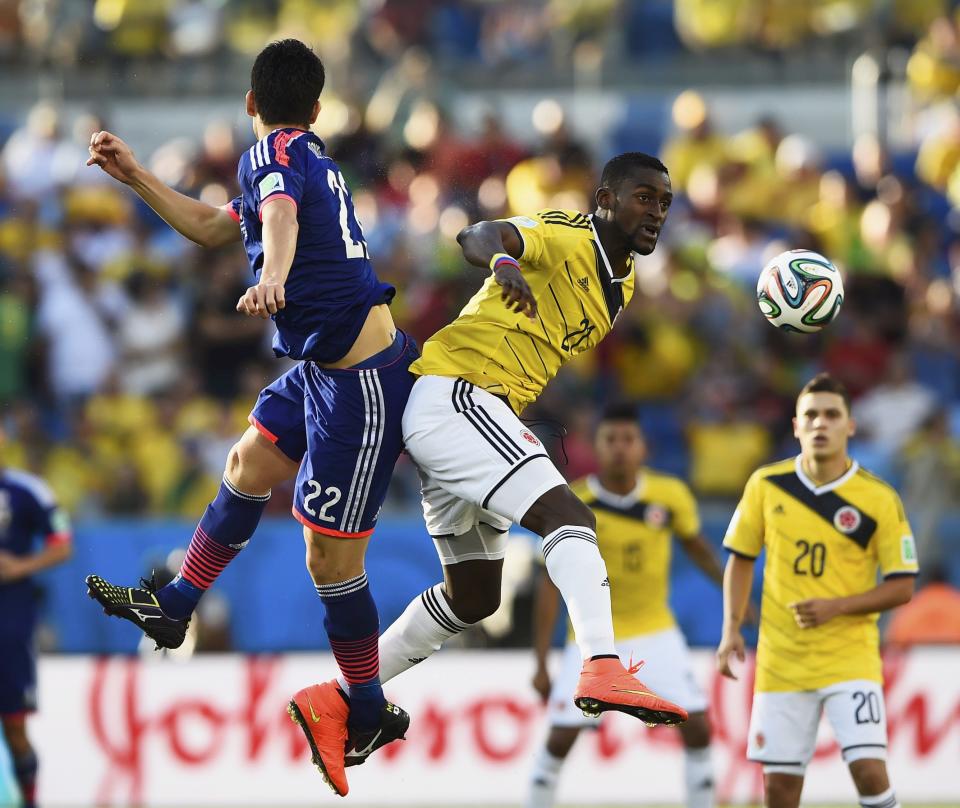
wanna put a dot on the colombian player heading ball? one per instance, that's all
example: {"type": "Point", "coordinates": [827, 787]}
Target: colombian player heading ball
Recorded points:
{"type": "Point", "coordinates": [828, 527]}
{"type": "Point", "coordinates": [333, 420]}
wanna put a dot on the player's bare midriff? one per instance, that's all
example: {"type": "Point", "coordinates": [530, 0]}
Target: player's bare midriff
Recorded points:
{"type": "Point", "coordinates": [377, 334]}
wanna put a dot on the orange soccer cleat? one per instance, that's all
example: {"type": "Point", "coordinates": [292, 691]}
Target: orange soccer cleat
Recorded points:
{"type": "Point", "coordinates": [606, 685]}
{"type": "Point", "coordinates": [321, 711]}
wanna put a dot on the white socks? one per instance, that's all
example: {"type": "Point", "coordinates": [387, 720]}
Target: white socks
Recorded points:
{"type": "Point", "coordinates": [574, 564]}
{"type": "Point", "coordinates": [886, 800]}
{"type": "Point", "coordinates": [543, 780]}
{"type": "Point", "coordinates": [698, 776]}
{"type": "Point", "coordinates": [426, 623]}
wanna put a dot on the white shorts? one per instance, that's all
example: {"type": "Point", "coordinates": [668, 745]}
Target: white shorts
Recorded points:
{"type": "Point", "coordinates": [667, 670]}
{"type": "Point", "coordinates": [783, 726]}
{"type": "Point", "coordinates": [478, 463]}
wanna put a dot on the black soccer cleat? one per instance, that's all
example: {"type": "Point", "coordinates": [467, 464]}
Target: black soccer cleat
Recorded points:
{"type": "Point", "coordinates": [140, 607]}
{"type": "Point", "coordinates": [361, 744]}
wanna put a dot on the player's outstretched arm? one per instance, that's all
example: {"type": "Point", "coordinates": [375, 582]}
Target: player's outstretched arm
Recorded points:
{"type": "Point", "coordinates": [546, 607]}
{"type": "Point", "coordinates": [203, 224]}
{"type": "Point", "coordinates": [496, 245]}
{"type": "Point", "coordinates": [737, 580]}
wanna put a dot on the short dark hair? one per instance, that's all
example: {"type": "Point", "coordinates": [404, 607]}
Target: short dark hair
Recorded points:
{"type": "Point", "coordinates": [624, 165]}
{"type": "Point", "coordinates": [620, 411]}
{"type": "Point", "coordinates": [287, 79]}
{"type": "Point", "coordinates": [825, 383]}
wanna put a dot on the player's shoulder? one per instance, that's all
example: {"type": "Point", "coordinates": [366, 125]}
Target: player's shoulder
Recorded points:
{"type": "Point", "coordinates": [875, 486]}
{"type": "Point", "coordinates": [668, 485]}
{"type": "Point", "coordinates": [786, 466]}
{"type": "Point", "coordinates": [33, 485]}
{"type": "Point", "coordinates": [277, 148]}
{"type": "Point", "coordinates": [565, 222]}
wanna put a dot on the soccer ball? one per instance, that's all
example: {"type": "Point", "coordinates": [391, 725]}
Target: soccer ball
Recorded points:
{"type": "Point", "coordinates": [800, 290]}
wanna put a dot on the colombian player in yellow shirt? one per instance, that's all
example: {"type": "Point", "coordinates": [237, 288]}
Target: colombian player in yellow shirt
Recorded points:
{"type": "Point", "coordinates": [557, 281]}
{"type": "Point", "coordinates": [829, 529]}
{"type": "Point", "coordinates": [639, 511]}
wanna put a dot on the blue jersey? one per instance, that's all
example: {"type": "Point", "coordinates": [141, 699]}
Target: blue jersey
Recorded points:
{"type": "Point", "coordinates": [331, 286]}
{"type": "Point", "coordinates": [28, 511]}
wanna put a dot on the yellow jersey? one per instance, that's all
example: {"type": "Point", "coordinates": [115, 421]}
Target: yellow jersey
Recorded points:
{"type": "Point", "coordinates": [825, 541]}
{"type": "Point", "coordinates": [578, 300]}
{"type": "Point", "coordinates": [634, 533]}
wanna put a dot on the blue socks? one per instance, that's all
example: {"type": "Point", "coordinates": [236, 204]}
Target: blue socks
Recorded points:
{"type": "Point", "coordinates": [353, 627]}
{"type": "Point", "coordinates": [224, 530]}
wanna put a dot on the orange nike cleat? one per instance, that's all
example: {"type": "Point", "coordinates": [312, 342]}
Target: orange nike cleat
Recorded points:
{"type": "Point", "coordinates": [606, 685]}
{"type": "Point", "coordinates": [321, 711]}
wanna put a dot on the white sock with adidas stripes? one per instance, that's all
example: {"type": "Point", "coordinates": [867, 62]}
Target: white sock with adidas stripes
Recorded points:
{"type": "Point", "coordinates": [888, 799]}
{"type": "Point", "coordinates": [576, 567]}
{"type": "Point", "coordinates": [426, 624]}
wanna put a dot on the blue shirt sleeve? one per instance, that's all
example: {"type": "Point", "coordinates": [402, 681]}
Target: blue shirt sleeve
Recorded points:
{"type": "Point", "coordinates": [49, 520]}
{"type": "Point", "coordinates": [277, 169]}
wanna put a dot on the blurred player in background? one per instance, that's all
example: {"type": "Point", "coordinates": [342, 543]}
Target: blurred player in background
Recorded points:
{"type": "Point", "coordinates": [557, 282]}
{"type": "Point", "coordinates": [638, 512]}
{"type": "Point", "coordinates": [828, 528]}
{"type": "Point", "coordinates": [335, 416]}
{"type": "Point", "coordinates": [28, 511]}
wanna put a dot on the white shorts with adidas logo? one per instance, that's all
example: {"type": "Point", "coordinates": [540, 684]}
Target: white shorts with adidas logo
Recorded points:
{"type": "Point", "coordinates": [480, 468]}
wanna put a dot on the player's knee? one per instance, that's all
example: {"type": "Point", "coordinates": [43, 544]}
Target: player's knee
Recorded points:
{"type": "Point", "coordinates": [234, 467]}
{"type": "Point", "coordinates": [331, 560]}
{"type": "Point", "coordinates": [475, 605]}
{"type": "Point", "coordinates": [560, 741]}
{"type": "Point", "coordinates": [782, 791]}
{"type": "Point", "coordinates": [870, 776]}
{"type": "Point", "coordinates": [557, 508]}
{"type": "Point", "coordinates": [15, 734]}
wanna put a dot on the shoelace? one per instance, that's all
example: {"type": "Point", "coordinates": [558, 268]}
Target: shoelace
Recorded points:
{"type": "Point", "coordinates": [633, 668]}
{"type": "Point", "coordinates": [150, 584]}
{"type": "Point", "coordinates": [557, 430]}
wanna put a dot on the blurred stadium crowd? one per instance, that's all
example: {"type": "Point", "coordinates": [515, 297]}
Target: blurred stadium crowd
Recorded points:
{"type": "Point", "coordinates": [490, 33]}
{"type": "Point", "coordinates": [125, 373]}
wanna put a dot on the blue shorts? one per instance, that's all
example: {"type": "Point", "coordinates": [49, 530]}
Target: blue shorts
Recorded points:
{"type": "Point", "coordinates": [343, 426]}
{"type": "Point", "coordinates": [18, 676]}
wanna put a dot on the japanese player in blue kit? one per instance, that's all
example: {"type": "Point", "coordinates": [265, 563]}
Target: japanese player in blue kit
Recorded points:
{"type": "Point", "coordinates": [28, 512]}
{"type": "Point", "coordinates": [333, 420]}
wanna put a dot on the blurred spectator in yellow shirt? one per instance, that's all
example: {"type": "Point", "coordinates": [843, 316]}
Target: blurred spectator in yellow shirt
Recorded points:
{"type": "Point", "coordinates": [694, 143]}
{"type": "Point", "coordinates": [934, 67]}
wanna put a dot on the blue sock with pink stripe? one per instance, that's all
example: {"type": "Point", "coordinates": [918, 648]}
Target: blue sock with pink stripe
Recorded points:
{"type": "Point", "coordinates": [224, 530]}
{"type": "Point", "coordinates": [353, 626]}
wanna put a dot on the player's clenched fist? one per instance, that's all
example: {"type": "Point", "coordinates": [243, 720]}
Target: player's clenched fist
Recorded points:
{"type": "Point", "coordinates": [814, 612]}
{"type": "Point", "coordinates": [262, 300]}
{"type": "Point", "coordinates": [113, 156]}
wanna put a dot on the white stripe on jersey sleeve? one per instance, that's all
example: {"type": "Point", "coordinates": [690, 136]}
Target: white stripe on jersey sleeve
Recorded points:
{"type": "Point", "coordinates": [38, 488]}
{"type": "Point", "coordinates": [266, 150]}
{"type": "Point", "coordinates": [253, 162]}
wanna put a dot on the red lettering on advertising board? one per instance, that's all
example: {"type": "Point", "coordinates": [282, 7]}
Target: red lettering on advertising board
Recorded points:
{"type": "Point", "coordinates": [499, 728]}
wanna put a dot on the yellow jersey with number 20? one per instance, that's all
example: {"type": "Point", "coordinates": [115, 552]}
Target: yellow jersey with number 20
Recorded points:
{"type": "Point", "coordinates": [578, 300]}
{"type": "Point", "coordinates": [827, 541]}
